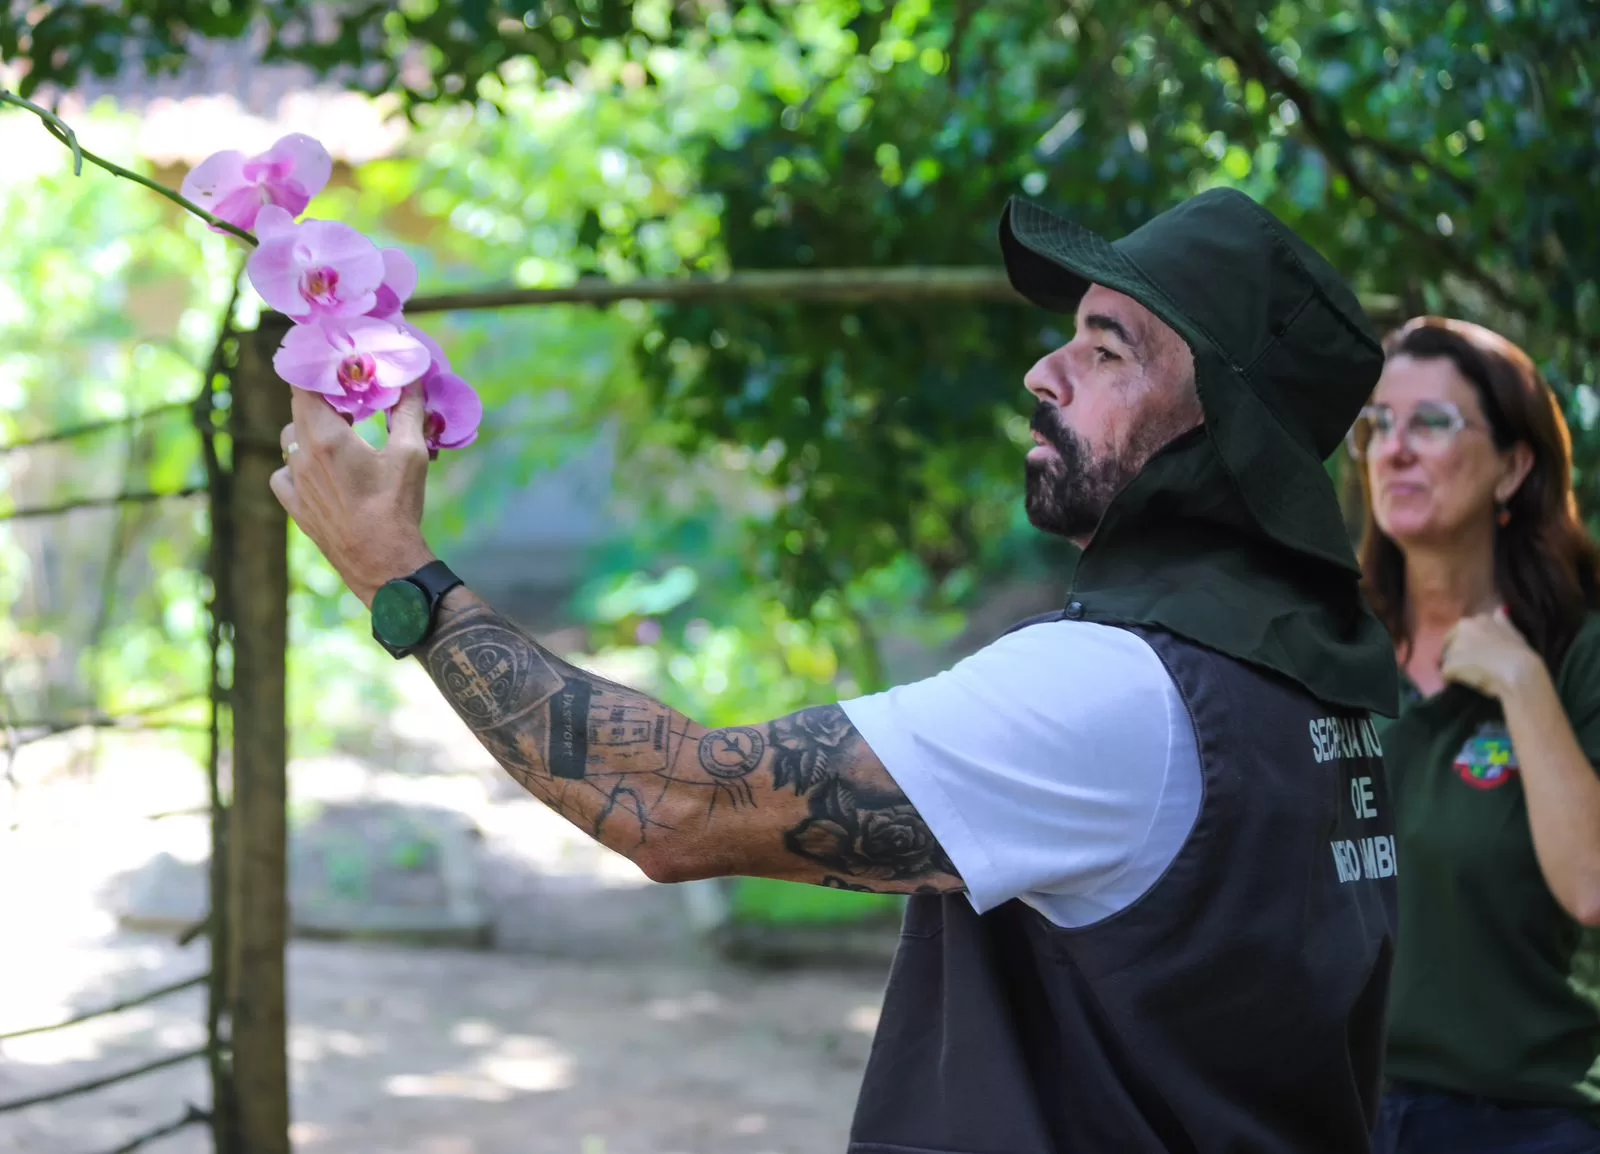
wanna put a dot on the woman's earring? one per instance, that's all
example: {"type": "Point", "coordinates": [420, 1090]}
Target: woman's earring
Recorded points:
{"type": "Point", "coordinates": [1502, 515]}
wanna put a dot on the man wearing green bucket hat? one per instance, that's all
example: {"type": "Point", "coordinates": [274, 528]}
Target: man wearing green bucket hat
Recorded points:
{"type": "Point", "coordinates": [1220, 983]}
{"type": "Point", "coordinates": [1147, 838]}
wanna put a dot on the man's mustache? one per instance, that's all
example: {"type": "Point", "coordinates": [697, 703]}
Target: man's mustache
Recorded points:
{"type": "Point", "coordinates": [1046, 422]}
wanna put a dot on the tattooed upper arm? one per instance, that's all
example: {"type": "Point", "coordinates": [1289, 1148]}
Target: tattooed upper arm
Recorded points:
{"type": "Point", "coordinates": [802, 798]}
{"type": "Point", "coordinates": [855, 827]}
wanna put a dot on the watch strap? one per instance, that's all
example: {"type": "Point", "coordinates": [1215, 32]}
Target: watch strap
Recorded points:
{"type": "Point", "coordinates": [434, 579]}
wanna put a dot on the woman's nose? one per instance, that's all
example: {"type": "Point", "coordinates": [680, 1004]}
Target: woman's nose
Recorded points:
{"type": "Point", "coordinates": [1391, 447]}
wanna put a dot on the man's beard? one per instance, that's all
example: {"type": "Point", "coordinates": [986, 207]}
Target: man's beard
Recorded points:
{"type": "Point", "coordinates": [1069, 493]}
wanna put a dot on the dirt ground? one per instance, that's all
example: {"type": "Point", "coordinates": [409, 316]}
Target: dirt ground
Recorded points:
{"type": "Point", "coordinates": [597, 1025]}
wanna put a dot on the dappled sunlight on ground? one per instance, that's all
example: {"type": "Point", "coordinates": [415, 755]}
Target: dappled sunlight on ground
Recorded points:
{"type": "Point", "coordinates": [514, 1065]}
{"type": "Point", "coordinates": [405, 1051]}
{"type": "Point", "coordinates": [597, 1028]}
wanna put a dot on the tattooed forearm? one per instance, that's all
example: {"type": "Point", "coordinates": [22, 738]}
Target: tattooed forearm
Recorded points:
{"type": "Point", "coordinates": [569, 729]}
{"type": "Point", "coordinates": [802, 797]}
{"type": "Point", "coordinates": [575, 741]}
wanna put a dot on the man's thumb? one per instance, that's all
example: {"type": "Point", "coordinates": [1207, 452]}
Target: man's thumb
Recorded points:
{"type": "Point", "coordinates": [407, 417]}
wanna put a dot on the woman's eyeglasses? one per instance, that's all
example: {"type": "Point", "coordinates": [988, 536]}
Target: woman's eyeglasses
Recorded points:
{"type": "Point", "coordinates": [1431, 428]}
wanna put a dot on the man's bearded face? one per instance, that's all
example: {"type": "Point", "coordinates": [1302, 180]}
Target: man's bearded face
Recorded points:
{"type": "Point", "coordinates": [1069, 488]}
{"type": "Point", "coordinates": [1107, 401]}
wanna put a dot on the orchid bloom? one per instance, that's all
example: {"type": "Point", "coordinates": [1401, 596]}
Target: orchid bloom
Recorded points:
{"type": "Point", "coordinates": [314, 268]}
{"type": "Point", "coordinates": [351, 342]}
{"type": "Point", "coordinates": [235, 188]}
{"type": "Point", "coordinates": [435, 350]}
{"type": "Point", "coordinates": [399, 282]}
{"type": "Point", "coordinates": [359, 364]}
{"type": "Point", "coordinates": [452, 411]}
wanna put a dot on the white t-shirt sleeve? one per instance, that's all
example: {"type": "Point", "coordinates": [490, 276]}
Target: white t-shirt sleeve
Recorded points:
{"type": "Point", "coordinates": [1056, 765]}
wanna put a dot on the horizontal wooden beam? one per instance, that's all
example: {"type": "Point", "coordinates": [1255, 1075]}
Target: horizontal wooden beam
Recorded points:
{"type": "Point", "coordinates": [833, 285]}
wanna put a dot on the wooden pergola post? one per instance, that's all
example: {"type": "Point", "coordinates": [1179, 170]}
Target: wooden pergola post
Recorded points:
{"type": "Point", "coordinates": [257, 902]}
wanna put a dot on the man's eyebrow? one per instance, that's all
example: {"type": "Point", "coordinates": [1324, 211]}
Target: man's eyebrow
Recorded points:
{"type": "Point", "coordinates": [1111, 325]}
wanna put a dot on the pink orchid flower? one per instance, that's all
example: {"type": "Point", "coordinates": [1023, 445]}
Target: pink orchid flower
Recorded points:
{"type": "Point", "coordinates": [315, 268]}
{"type": "Point", "coordinates": [399, 282]}
{"type": "Point", "coordinates": [235, 188]}
{"type": "Point", "coordinates": [435, 351]}
{"type": "Point", "coordinates": [451, 411]}
{"type": "Point", "coordinates": [359, 364]}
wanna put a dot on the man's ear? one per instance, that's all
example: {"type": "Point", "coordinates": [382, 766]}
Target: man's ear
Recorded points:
{"type": "Point", "coordinates": [1194, 412]}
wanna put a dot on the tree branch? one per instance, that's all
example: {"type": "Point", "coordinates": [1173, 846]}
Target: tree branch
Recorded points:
{"type": "Point", "coordinates": [66, 136]}
{"type": "Point", "coordinates": [190, 1117]}
{"type": "Point", "coordinates": [114, 1008]}
{"type": "Point", "coordinates": [219, 484]}
{"type": "Point", "coordinates": [1215, 24]}
{"type": "Point", "coordinates": [112, 501]}
{"type": "Point", "coordinates": [890, 285]}
{"type": "Point", "coordinates": [89, 428]}
{"type": "Point", "coordinates": [135, 719]}
{"type": "Point", "coordinates": [1402, 157]}
{"type": "Point", "coordinates": [958, 33]}
{"type": "Point", "coordinates": [102, 1083]}
{"type": "Point", "coordinates": [835, 285]}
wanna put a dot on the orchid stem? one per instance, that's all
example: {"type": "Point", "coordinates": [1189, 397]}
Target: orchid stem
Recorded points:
{"type": "Point", "coordinates": [55, 126]}
{"type": "Point", "coordinates": [54, 123]}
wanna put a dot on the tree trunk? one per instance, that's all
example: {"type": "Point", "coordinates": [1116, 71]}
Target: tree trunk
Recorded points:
{"type": "Point", "coordinates": [257, 903]}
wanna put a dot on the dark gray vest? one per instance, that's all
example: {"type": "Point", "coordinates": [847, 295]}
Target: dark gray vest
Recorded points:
{"type": "Point", "coordinates": [1236, 1008]}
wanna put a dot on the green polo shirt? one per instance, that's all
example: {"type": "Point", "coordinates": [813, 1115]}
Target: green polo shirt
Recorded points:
{"type": "Point", "coordinates": [1496, 988]}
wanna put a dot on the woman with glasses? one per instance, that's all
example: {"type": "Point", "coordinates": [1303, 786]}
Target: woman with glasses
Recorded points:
{"type": "Point", "coordinates": [1476, 559]}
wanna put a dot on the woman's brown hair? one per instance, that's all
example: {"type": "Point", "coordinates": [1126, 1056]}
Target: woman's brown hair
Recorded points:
{"type": "Point", "coordinates": [1547, 568]}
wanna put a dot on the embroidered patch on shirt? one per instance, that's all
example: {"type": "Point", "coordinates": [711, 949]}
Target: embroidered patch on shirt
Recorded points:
{"type": "Point", "coordinates": [1487, 761]}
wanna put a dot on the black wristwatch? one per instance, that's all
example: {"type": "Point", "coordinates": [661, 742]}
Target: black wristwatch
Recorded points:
{"type": "Point", "coordinates": [403, 610]}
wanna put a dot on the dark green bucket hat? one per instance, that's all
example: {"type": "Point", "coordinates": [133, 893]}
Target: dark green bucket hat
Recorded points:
{"type": "Point", "coordinates": [1233, 536]}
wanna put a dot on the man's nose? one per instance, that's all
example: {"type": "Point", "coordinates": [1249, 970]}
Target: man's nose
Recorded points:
{"type": "Point", "coordinates": [1047, 380]}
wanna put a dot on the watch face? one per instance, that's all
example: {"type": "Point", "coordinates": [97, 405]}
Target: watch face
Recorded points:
{"type": "Point", "coordinates": [400, 614]}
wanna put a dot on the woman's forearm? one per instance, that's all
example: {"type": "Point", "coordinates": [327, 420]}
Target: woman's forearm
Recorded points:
{"type": "Point", "coordinates": [1562, 789]}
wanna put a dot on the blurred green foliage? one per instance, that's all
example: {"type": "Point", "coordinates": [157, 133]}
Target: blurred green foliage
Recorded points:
{"type": "Point", "coordinates": [761, 901]}
{"type": "Point", "coordinates": [457, 42]}
{"type": "Point", "coordinates": [71, 353]}
{"type": "Point", "coordinates": [799, 481]}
